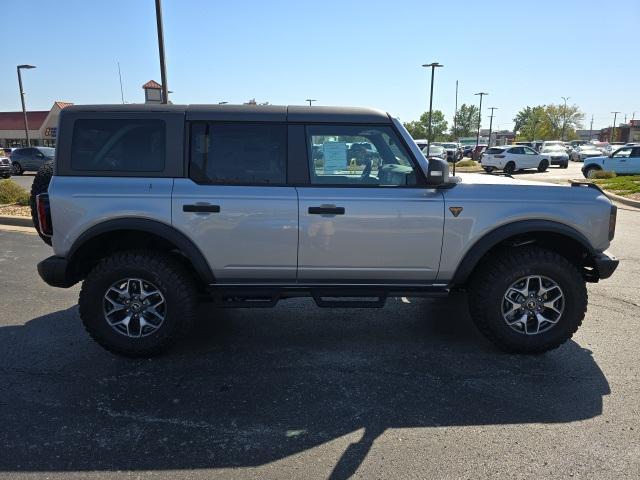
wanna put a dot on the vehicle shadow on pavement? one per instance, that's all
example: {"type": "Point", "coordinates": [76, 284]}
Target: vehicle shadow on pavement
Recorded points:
{"type": "Point", "coordinates": [250, 387]}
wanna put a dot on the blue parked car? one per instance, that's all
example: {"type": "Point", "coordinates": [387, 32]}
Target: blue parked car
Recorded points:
{"type": "Point", "coordinates": [624, 161]}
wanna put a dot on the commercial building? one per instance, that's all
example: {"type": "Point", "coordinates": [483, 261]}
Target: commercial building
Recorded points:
{"type": "Point", "coordinates": [43, 127]}
{"type": "Point", "coordinates": [624, 132]}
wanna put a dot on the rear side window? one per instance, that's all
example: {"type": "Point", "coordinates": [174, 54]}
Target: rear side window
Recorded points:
{"type": "Point", "coordinates": [495, 150]}
{"type": "Point", "coordinates": [125, 145]}
{"type": "Point", "coordinates": [249, 154]}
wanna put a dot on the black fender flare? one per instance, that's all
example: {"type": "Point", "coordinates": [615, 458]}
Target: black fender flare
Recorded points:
{"type": "Point", "coordinates": [171, 234]}
{"type": "Point", "coordinates": [494, 237]}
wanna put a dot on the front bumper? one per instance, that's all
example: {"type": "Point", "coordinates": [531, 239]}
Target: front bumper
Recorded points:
{"type": "Point", "coordinates": [55, 271]}
{"type": "Point", "coordinates": [559, 160]}
{"type": "Point", "coordinates": [6, 169]}
{"type": "Point", "coordinates": [605, 264]}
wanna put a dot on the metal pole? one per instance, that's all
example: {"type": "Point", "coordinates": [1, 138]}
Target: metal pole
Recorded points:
{"type": "Point", "coordinates": [491, 123]}
{"type": "Point", "coordinates": [564, 115]}
{"type": "Point", "coordinates": [163, 67]}
{"type": "Point", "coordinates": [591, 129]}
{"type": "Point", "coordinates": [310, 100]}
{"type": "Point", "coordinates": [613, 129]}
{"type": "Point", "coordinates": [433, 66]}
{"type": "Point", "coordinates": [455, 114]}
{"type": "Point", "coordinates": [479, 117]}
{"type": "Point", "coordinates": [120, 77]}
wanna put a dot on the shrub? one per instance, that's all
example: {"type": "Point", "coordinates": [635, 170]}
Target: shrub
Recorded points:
{"type": "Point", "coordinates": [603, 174]}
{"type": "Point", "coordinates": [11, 192]}
{"type": "Point", "coordinates": [466, 163]}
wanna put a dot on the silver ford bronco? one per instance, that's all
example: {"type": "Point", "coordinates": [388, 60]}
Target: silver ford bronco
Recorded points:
{"type": "Point", "coordinates": [156, 207]}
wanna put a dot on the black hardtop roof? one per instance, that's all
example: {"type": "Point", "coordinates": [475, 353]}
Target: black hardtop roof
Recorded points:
{"type": "Point", "coordinates": [248, 113]}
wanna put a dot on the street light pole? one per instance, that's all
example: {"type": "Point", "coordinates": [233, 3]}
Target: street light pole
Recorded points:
{"type": "Point", "coordinates": [455, 114]}
{"type": "Point", "coordinates": [613, 129]}
{"type": "Point", "coordinates": [491, 123]}
{"type": "Point", "coordinates": [479, 116]}
{"type": "Point", "coordinates": [163, 67]}
{"type": "Point", "coordinates": [433, 66]}
{"type": "Point", "coordinates": [310, 100]}
{"type": "Point", "coordinates": [564, 116]}
{"type": "Point", "coordinates": [24, 110]}
{"type": "Point", "coordinates": [591, 129]}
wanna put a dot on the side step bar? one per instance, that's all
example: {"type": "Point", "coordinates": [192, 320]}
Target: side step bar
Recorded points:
{"type": "Point", "coordinates": [343, 296]}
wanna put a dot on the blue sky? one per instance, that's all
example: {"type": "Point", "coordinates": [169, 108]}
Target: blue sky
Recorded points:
{"type": "Point", "coordinates": [339, 52]}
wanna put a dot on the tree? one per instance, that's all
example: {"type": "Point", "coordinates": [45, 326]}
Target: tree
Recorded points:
{"type": "Point", "coordinates": [547, 122]}
{"type": "Point", "coordinates": [466, 121]}
{"type": "Point", "coordinates": [418, 128]}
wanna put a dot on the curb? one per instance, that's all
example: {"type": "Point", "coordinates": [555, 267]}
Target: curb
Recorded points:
{"type": "Point", "coordinates": [623, 200]}
{"type": "Point", "coordinates": [16, 221]}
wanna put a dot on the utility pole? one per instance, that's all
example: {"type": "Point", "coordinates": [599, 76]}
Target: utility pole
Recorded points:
{"type": "Point", "coordinates": [310, 100]}
{"type": "Point", "coordinates": [564, 121]}
{"type": "Point", "coordinates": [491, 123]}
{"type": "Point", "coordinates": [120, 77]}
{"type": "Point", "coordinates": [591, 129]}
{"type": "Point", "coordinates": [479, 116]}
{"type": "Point", "coordinates": [455, 114]}
{"type": "Point", "coordinates": [613, 129]}
{"type": "Point", "coordinates": [433, 66]}
{"type": "Point", "coordinates": [24, 109]}
{"type": "Point", "coordinates": [163, 67]}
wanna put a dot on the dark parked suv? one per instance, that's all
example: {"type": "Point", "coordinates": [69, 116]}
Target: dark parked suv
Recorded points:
{"type": "Point", "coordinates": [30, 158]}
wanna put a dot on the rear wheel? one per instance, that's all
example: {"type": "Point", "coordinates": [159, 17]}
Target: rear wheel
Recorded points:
{"type": "Point", "coordinates": [527, 299]}
{"type": "Point", "coordinates": [488, 169]}
{"type": "Point", "coordinates": [509, 168]}
{"type": "Point", "coordinates": [138, 303]}
{"type": "Point", "coordinates": [543, 165]}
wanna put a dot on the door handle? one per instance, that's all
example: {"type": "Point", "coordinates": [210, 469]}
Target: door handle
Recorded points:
{"type": "Point", "coordinates": [201, 208]}
{"type": "Point", "coordinates": [326, 210]}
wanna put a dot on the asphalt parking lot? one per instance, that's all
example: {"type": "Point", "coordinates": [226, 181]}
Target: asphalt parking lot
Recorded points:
{"type": "Point", "coordinates": [407, 391]}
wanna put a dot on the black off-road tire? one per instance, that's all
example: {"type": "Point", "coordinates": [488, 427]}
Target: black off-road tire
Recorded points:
{"type": "Point", "coordinates": [495, 275]}
{"type": "Point", "coordinates": [543, 165]}
{"type": "Point", "coordinates": [40, 185]}
{"type": "Point", "coordinates": [162, 270]}
{"type": "Point", "coordinates": [509, 168]}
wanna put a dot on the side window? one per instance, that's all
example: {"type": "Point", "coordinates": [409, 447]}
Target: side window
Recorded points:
{"type": "Point", "coordinates": [242, 153]}
{"type": "Point", "coordinates": [516, 151]}
{"type": "Point", "coordinates": [623, 153]}
{"type": "Point", "coordinates": [358, 155]}
{"type": "Point", "coordinates": [636, 152]}
{"type": "Point", "coordinates": [529, 151]}
{"type": "Point", "coordinates": [125, 145]}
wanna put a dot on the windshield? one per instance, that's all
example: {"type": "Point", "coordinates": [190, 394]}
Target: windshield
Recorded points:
{"type": "Point", "coordinates": [449, 145]}
{"type": "Point", "coordinates": [433, 150]}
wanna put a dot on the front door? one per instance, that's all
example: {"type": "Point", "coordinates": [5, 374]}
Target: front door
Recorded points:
{"type": "Point", "coordinates": [621, 161]}
{"type": "Point", "coordinates": [365, 218]}
{"type": "Point", "coordinates": [531, 158]}
{"type": "Point", "coordinates": [236, 206]}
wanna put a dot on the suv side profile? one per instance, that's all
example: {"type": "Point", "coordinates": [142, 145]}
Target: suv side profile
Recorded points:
{"type": "Point", "coordinates": [155, 207]}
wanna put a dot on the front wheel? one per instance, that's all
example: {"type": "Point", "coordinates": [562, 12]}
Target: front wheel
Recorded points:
{"type": "Point", "coordinates": [543, 165]}
{"type": "Point", "coordinates": [527, 299]}
{"type": "Point", "coordinates": [590, 172]}
{"type": "Point", "coordinates": [138, 303]}
{"type": "Point", "coordinates": [17, 168]}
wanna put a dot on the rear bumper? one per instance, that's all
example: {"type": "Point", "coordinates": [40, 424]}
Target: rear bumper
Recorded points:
{"type": "Point", "coordinates": [606, 264]}
{"type": "Point", "coordinates": [55, 271]}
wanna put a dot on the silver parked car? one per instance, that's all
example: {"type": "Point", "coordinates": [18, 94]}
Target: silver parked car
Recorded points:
{"type": "Point", "coordinates": [153, 207]}
{"type": "Point", "coordinates": [582, 152]}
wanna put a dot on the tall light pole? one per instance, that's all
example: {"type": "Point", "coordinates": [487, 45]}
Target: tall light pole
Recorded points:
{"type": "Point", "coordinates": [479, 116]}
{"type": "Point", "coordinates": [24, 110]}
{"type": "Point", "coordinates": [591, 129]}
{"type": "Point", "coordinates": [491, 123]}
{"type": "Point", "coordinates": [455, 114]}
{"type": "Point", "coordinates": [433, 66]}
{"type": "Point", "coordinates": [564, 116]}
{"type": "Point", "coordinates": [310, 100]}
{"type": "Point", "coordinates": [613, 129]}
{"type": "Point", "coordinates": [163, 67]}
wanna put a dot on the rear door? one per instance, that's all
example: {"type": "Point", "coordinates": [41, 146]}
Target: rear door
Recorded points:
{"type": "Point", "coordinates": [516, 155]}
{"type": "Point", "coordinates": [366, 218]}
{"type": "Point", "coordinates": [236, 205]}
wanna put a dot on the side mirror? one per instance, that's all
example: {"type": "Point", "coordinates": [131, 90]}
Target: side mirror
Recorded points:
{"type": "Point", "coordinates": [438, 172]}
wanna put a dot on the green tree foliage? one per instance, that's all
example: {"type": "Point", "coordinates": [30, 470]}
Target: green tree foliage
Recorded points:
{"type": "Point", "coordinates": [466, 121]}
{"type": "Point", "coordinates": [418, 129]}
{"type": "Point", "coordinates": [547, 122]}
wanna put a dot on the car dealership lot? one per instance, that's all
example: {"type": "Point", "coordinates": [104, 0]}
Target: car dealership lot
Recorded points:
{"type": "Point", "coordinates": [407, 391]}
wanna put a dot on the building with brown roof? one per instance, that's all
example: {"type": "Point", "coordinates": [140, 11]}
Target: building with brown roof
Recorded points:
{"type": "Point", "coordinates": [43, 127]}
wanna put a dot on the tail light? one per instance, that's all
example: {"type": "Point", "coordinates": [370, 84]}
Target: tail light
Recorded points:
{"type": "Point", "coordinates": [44, 214]}
{"type": "Point", "coordinates": [499, 156]}
{"type": "Point", "coordinates": [612, 221]}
